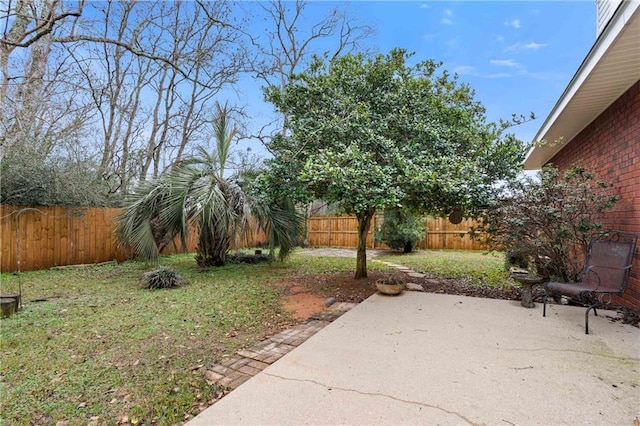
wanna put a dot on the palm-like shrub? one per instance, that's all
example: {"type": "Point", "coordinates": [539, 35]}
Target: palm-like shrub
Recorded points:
{"type": "Point", "coordinates": [162, 277]}
{"type": "Point", "coordinates": [196, 192]}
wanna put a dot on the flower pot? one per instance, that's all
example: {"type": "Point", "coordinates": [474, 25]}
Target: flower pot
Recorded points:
{"type": "Point", "coordinates": [8, 305]}
{"type": "Point", "coordinates": [390, 289]}
{"type": "Point", "coordinates": [13, 296]}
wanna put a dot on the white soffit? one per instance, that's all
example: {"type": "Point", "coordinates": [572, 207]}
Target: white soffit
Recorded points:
{"type": "Point", "coordinates": [611, 67]}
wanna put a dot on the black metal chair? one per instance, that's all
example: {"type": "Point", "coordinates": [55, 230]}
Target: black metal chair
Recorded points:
{"type": "Point", "coordinates": [607, 266]}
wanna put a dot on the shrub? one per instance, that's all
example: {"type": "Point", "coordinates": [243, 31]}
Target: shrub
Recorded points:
{"type": "Point", "coordinates": [393, 279]}
{"type": "Point", "coordinates": [162, 277]}
{"type": "Point", "coordinates": [517, 256]}
{"type": "Point", "coordinates": [401, 230]}
{"type": "Point", "coordinates": [551, 220]}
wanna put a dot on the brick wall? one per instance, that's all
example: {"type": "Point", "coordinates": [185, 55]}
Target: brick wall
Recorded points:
{"type": "Point", "coordinates": [609, 147]}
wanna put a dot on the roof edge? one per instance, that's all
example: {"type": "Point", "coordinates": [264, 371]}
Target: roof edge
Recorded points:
{"type": "Point", "coordinates": [539, 155]}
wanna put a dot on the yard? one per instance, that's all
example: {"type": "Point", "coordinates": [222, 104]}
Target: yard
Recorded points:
{"type": "Point", "coordinates": [92, 346]}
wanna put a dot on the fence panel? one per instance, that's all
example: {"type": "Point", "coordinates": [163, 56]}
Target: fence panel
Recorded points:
{"type": "Point", "coordinates": [442, 234]}
{"type": "Point", "coordinates": [43, 237]}
{"type": "Point", "coordinates": [342, 231]}
{"type": "Point", "coordinates": [40, 237]}
{"type": "Point", "coordinates": [336, 231]}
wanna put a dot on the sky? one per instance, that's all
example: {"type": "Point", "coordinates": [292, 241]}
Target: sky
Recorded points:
{"type": "Point", "coordinates": [518, 56]}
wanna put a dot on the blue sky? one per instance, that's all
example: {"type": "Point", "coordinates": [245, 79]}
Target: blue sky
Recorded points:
{"type": "Point", "coordinates": [517, 55]}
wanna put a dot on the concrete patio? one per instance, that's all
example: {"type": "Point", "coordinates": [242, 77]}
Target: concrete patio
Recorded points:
{"type": "Point", "coordinates": [423, 358]}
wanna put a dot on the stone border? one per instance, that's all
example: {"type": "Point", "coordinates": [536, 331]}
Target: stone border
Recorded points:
{"type": "Point", "coordinates": [248, 362]}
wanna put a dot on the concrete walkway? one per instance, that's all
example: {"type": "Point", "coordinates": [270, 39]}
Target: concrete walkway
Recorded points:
{"type": "Point", "coordinates": [422, 358]}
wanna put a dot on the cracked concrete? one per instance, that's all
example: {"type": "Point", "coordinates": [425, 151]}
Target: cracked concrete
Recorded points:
{"type": "Point", "coordinates": [418, 403]}
{"type": "Point", "coordinates": [415, 359]}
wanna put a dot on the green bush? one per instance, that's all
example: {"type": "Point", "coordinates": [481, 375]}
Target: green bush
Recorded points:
{"type": "Point", "coordinates": [162, 277]}
{"type": "Point", "coordinates": [517, 256]}
{"type": "Point", "coordinates": [551, 219]}
{"type": "Point", "coordinates": [401, 230]}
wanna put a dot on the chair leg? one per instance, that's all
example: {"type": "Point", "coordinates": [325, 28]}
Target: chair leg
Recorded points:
{"type": "Point", "coordinates": [544, 305]}
{"type": "Point", "coordinates": [586, 318]}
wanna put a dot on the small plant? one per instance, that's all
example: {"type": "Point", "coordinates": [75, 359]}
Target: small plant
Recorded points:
{"type": "Point", "coordinates": [394, 279]}
{"type": "Point", "coordinates": [401, 230]}
{"type": "Point", "coordinates": [162, 277]}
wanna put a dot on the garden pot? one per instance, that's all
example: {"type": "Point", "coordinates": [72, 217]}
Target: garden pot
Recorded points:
{"type": "Point", "coordinates": [13, 296]}
{"type": "Point", "coordinates": [390, 289]}
{"type": "Point", "coordinates": [8, 305]}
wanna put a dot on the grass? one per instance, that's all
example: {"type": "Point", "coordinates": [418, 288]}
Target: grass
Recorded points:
{"type": "Point", "coordinates": [100, 348]}
{"type": "Point", "coordinates": [478, 268]}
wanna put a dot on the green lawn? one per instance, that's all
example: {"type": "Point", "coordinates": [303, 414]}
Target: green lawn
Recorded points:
{"type": "Point", "coordinates": [480, 268]}
{"type": "Point", "coordinates": [100, 347]}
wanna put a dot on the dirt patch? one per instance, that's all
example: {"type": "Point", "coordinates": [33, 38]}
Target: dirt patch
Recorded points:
{"type": "Point", "coordinates": [303, 305]}
{"type": "Point", "coordinates": [305, 296]}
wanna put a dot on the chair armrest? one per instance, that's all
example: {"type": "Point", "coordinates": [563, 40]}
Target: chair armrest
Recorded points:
{"type": "Point", "coordinates": [588, 272]}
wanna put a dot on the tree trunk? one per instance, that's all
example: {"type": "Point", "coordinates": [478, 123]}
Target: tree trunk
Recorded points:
{"type": "Point", "coordinates": [364, 222]}
{"type": "Point", "coordinates": [408, 247]}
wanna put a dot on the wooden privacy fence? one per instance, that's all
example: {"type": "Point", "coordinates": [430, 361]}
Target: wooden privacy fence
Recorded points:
{"type": "Point", "coordinates": [342, 231]}
{"type": "Point", "coordinates": [43, 237]}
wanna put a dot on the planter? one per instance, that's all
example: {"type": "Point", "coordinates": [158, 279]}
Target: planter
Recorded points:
{"type": "Point", "coordinates": [390, 289]}
{"type": "Point", "coordinates": [13, 296]}
{"type": "Point", "coordinates": [8, 305]}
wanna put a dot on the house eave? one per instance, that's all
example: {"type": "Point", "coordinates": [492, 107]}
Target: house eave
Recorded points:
{"type": "Point", "coordinates": [610, 68]}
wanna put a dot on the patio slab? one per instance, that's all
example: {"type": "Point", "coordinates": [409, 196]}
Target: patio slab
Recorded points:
{"type": "Point", "coordinates": [422, 358]}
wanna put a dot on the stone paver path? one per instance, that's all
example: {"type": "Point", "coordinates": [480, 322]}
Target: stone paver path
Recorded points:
{"type": "Point", "coordinates": [408, 272]}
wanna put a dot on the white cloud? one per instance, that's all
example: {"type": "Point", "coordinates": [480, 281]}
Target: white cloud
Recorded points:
{"type": "Point", "coordinates": [465, 69]}
{"type": "Point", "coordinates": [529, 46]}
{"type": "Point", "coordinates": [448, 13]}
{"type": "Point", "coordinates": [500, 38]}
{"type": "Point", "coordinates": [505, 63]}
{"type": "Point", "coordinates": [534, 46]}
{"type": "Point", "coordinates": [425, 6]}
{"type": "Point", "coordinates": [429, 36]}
{"type": "Point", "coordinates": [514, 23]}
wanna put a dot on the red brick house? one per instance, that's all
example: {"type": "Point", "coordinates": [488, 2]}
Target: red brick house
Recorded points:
{"type": "Point", "coordinates": [597, 119]}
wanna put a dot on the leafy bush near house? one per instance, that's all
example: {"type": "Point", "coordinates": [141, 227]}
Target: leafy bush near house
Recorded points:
{"type": "Point", "coordinates": [551, 219]}
{"type": "Point", "coordinates": [401, 230]}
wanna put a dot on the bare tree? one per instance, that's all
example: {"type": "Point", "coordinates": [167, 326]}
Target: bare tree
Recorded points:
{"type": "Point", "coordinates": [135, 80]}
{"type": "Point", "coordinates": [291, 42]}
{"type": "Point", "coordinates": [130, 87]}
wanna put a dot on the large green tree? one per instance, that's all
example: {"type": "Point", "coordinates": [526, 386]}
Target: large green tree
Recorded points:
{"type": "Point", "coordinates": [376, 133]}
